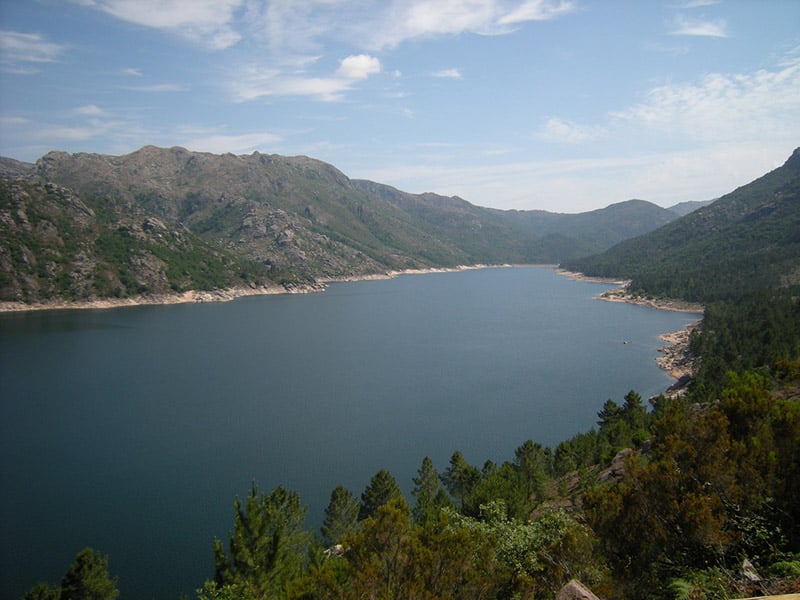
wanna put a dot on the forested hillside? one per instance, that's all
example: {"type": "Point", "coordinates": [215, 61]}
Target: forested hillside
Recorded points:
{"type": "Point", "coordinates": [745, 241]}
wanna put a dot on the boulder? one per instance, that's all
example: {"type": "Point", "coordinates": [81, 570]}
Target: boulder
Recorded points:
{"type": "Point", "coordinates": [575, 590]}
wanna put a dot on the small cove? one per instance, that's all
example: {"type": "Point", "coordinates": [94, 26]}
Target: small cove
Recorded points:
{"type": "Point", "coordinates": [131, 430]}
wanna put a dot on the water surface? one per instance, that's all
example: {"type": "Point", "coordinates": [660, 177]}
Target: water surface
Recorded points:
{"type": "Point", "coordinates": [131, 430]}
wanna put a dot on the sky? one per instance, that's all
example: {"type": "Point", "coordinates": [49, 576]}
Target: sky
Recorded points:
{"type": "Point", "coordinates": [560, 105]}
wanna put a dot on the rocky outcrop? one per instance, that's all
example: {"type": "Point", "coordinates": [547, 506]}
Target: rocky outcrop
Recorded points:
{"type": "Point", "coordinates": [575, 590]}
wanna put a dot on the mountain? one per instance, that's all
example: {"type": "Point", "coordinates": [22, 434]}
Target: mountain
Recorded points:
{"type": "Point", "coordinates": [745, 241]}
{"type": "Point", "coordinates": [492, 235]}
{"type": "Point", "coordinates": [563, 236]}
{"type": "Point", "coordinates": [684, 208]}
{"type": "Point", "coordinates": [162, 220]}
{"type": "Point", "coordinates": [14, 168]}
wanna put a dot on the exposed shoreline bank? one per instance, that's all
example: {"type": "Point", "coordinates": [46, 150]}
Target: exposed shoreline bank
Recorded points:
{"type": "Point", "coordinates": [225, 295]}
{"type": "Point", "coordinates": [622, 294]}
{"type": "Point", "coordinates": [676, 357]}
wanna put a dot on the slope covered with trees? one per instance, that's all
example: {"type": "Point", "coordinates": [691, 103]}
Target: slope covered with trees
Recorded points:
{"type": "Point", "coordinates": [743, 242]}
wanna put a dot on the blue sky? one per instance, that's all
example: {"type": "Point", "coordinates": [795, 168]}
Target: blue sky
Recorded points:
{"type": "Point", "coordinates": [561, 105]}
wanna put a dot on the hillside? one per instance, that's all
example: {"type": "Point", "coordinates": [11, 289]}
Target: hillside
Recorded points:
{"type": "Point", "coordinates": [164, 220]}
{"type": "Point", "coordinates": [564, 236]}
{"type": "Point", "coordinates": [745, 241]}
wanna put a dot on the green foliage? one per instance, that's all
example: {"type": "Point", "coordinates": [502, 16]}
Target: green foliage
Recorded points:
{"type": "Point", "coordinates": [381, 489]}
{"type": "Point", "coordinates": [268, 545]}
{"type": "Point", "coordinates": [42, 591]}
{"type": "Point", "coordinates": [341, 516]}
{"type": "Point", "coordinates": [720, 484]}
{"type": "Point", "coordinates": [86, 578]}
{"type": "Point", "coordinates": [743, 243]}
{"type": "Point", "coordinates": [541, 555]}
{"type": "Point", "coordinates": [460, 478]}
{"type": "Point", "coordinates": [750, 333]}
{"type": "Point", "coordinates": [430, 495]}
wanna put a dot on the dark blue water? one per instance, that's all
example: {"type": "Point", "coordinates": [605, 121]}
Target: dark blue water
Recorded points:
{"type": "Point", "coordinates": [132, 430]}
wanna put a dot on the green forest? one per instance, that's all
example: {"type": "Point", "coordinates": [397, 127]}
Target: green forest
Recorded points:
{"type": "Point", "coordinates": [662, 502]}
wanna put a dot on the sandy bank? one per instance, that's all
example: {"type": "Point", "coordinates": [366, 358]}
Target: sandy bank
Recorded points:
{"type": "Point", "coordinates": [224, 295]}
{"type": "Point", "coordinates": [191, 296]}
{"type": "Point", "coordinates": [622, 294]}
{"type": "Point", "coordinates": [581, 277]}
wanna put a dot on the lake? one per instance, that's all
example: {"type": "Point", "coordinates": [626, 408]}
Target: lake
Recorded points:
{"type": "Point", "coordinates": [132, 430]}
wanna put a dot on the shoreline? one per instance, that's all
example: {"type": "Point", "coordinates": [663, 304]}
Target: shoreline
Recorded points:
{"type": "Point", "coordinates": [622, 294]}
{"type": "Point", "coordinates": [226, 294]}
{"type": "Point", "coordinates": [677, 358]}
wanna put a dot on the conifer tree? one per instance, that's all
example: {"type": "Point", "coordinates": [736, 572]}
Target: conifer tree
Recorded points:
{"type": "Point", "coordinates": [88, 579]}
{"type": "Point", "coordinates": [268, 545]}
{"type": "Point", "coordinates": [460, 477]}
{"type": "Point", "coordinates": [429, 493]}
{"type": "Point", "coordinates": [341, 515]}
{"type": "Point", "coordinates": [382, 488]}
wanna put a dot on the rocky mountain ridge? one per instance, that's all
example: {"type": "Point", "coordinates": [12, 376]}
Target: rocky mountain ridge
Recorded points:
{"type": "Point", "coordinates": [168, 220]}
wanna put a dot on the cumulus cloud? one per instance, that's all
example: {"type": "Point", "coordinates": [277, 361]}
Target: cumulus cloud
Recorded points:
{"type": "Point", "coordinates": [205, 21]}
{"type": "Point", "coordinates": [696, 27]}
{"type": "Point", "coordinates": [358, 67]}
{"type": "Point", "coordinates": [19, 50]}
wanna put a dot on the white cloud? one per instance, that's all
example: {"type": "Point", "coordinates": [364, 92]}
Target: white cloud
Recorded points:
{"type": "Point", "coordinates": [235, 144]}
{"type": "Point", "coordinates": [18, 49]}
{"type": "Point", "coordinates": [253, 81]}
{"type": "Point", "coordinates": [448, 74]}
{"type": "Point", "coordinates": [724, 107]}
{"type": "Point", "coordinates": [358, 67]}
{"type": "Point", "coordinates": [204, 21]}
{"type": "Point", "coordinates": [694, 27]}
{"type": "Point", "coordinates": [537, 10]}
{"type": "Point", "coordinates": [90, 110]}
{"type": "Point", "coordinates": [561, 131]}
{"type": "Point", "coordinates": [133, 72]}
{"type": "Point", "coordinates": [405, 20]}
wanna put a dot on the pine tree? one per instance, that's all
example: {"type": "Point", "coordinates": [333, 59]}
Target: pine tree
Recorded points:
{"type": "Point", "coordinates": [382, 488]}
{"type": "Point", "coordinates": [268, 545]}
{"type": "Point", "coordinates": [460, 477]}
{"type": "Point", "coordinates": [429, 493]}
{"type": "Point", "coordinates": [341, 515]}
{"type": "Point", "coordinates": [88, 579]}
